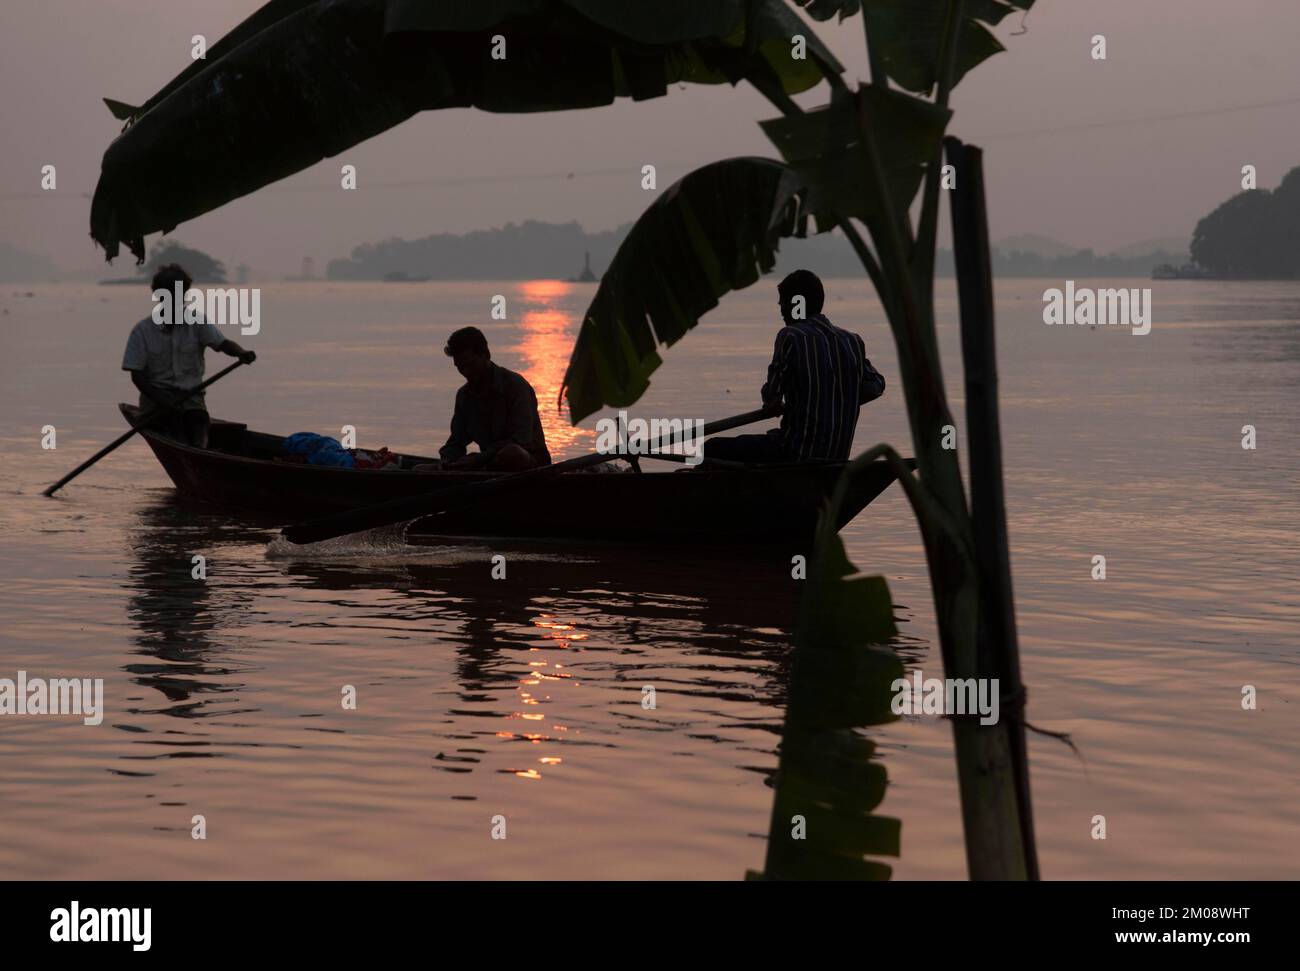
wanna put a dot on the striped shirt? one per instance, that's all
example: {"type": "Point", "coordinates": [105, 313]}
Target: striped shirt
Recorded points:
{"type": "Point", "coordinates": [821, 375]}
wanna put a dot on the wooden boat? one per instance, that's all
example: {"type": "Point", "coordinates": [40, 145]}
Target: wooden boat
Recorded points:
{"type": "Point", "coordinates": [243, 469]}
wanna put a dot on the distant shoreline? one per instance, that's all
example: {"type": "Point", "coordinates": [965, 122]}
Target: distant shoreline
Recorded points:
{"type": "Point", "coordinates": [415, 284]}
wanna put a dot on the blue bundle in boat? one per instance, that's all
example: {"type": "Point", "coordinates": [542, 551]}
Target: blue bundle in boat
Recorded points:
{"type": "Point", "coordinates": [318, 449]}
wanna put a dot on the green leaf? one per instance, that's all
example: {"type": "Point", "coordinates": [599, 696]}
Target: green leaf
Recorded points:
{"type": "Point", "coordinates": [826, 9]}
{"type": "Point", "coordinates": [311, 84]}
{"type": "Point", "coordinates": [844, 688]}
{"type": "Point", "coordinates": [266, 16]}
{"type": "Point", "coordinates": [301, 81]}
{"type": "Point", "coordinates": [841, 612]}
{"type": "Point", "coordinates": [837, 831]}
{"type": "Point", "coordinates": [455, 15]}
{"type": "Point", "coordinates": [825, 147]}
{"type": "Point", "coordinates": [814, 865]}
{"type": "Point", "coordinates": [121, 110]}
{"type": "Point", "coordinates": [837, 762]}
{"type": "Point", "coordinates": [908, 37]}
{"type": "Point", "coordinates": [840, 679]}
{"type": "Point", "coordinates": [714, 231]}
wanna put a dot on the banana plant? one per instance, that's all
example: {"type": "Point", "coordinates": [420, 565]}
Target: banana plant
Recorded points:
{"type": "Point", "coordinates": [859, 160]}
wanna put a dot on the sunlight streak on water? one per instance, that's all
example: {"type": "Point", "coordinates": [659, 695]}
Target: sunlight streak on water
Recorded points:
{"type": "Point", "coordinates": [549, 330]}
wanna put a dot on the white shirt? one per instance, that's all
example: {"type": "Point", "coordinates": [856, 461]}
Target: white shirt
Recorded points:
{"type": "Point", "coordinates": [171, 357]}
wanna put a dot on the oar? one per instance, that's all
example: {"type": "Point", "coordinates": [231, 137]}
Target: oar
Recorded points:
{"type": "Point", "coordinates": [141, 421]}
{"type": "Point", "coordinates": [442, 500]}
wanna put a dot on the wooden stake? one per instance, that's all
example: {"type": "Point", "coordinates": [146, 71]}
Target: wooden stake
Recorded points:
{"type": "Point", "coordinates": [997, 650]}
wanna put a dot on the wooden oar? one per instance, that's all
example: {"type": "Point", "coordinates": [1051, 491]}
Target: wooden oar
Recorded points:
{"type": "Point", "coordinates": [442, 500]}
{"type": "Point", "coordinates": [140, 423]}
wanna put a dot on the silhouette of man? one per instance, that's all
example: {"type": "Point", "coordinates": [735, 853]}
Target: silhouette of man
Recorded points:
{"type": "Point", "coordinates": [496, 409]}
{"type": "Point", "coordinates": [820, 376]}
{"type": "Point", "coordinates": [166, 360]}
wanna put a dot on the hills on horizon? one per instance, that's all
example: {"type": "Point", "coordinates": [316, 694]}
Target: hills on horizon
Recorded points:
{"type": "Point", "coordinates": [1250, 236]}
{"type": "Point", "coordinates": [1049, 248]}
{"type": "Point", "coordinates": [516, 251]}
{"type": "Point", "coordinates": [535, 249]}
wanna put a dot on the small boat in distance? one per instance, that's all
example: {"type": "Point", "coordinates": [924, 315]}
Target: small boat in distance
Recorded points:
{"type": "Point", "coordinates": [1188, 271]}
{"type": "Point", "coordinates": [246, 471]}
{"type": "Point", "coordinates": [401, 276]}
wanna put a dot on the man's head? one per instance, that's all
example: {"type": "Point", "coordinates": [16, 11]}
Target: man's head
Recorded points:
{"type": "Point", "coordinates": [165, 279]}
{"type": "Point", "coordinates": [800, 295]}
{"type": "Point", "coordinates": [168, 276]}
{"type": "Point", "coordinates": [468, 350]}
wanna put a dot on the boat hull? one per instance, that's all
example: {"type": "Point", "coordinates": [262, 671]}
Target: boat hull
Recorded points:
{"type": "Point", "coordinates": [772, 505]}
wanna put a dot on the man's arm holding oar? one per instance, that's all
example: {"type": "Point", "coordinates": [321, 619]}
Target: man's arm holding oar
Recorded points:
{"type": "Point", "coordinates": [167, 399]}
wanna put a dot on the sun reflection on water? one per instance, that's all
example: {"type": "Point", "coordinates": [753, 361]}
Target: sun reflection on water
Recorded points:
{"type": "Point", "coordinates": [557, 634]}
{"type": "Point", "coordinates": [548, 335]}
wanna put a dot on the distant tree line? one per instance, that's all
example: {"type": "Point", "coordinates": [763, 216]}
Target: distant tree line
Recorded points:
{"type": "Point", "coordinates": [540, 250]}
{"type": "Point", "coordinates": [1083, 263]}
{"type": "Point", "coordinates": [821, 255]}
{"type": "Point", "coordinates": [525, 251]}
{"type": "Point", "coordinates": [201, 267]}
{"type": "Point", "coordinates": [1254, 235]}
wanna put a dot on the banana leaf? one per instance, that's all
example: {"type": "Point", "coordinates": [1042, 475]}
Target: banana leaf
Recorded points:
{"type": "Point", "coordinates": [826, 9]}
{"type": "Point", "coordinates": [718, 229]}
{"type": "Point", "coordinates": [714, 231]}
{"type": "Point", "coordinates": [265, 16]}
{"type": "Point", "coordinates": [908, 36]}
{"type": "Point", "coordinates": [827, 780]}
{"type": "Point", "coordinates": [825, 147]}
{"type": "Point", "coordinates": [303, 80]}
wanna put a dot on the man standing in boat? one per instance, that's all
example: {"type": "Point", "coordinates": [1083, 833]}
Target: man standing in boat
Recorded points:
{"type": "Point", "coordinates": [496, 409]}
{"type": "Point", "coordinates": [166, 361]}
{"type": "Point", "coordinates": [819, 376]}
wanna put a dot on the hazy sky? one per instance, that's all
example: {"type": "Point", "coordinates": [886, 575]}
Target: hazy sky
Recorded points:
{"type": "Point", "coordinates": [1104, 186]}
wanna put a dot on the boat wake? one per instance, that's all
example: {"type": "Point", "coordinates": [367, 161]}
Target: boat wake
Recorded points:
{"type": "Point", "coordinates": [389, 545]}
{"type": "Point", "coordinates": [386, 542]}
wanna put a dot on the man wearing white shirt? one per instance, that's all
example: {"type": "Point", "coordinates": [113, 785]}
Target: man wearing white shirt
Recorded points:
{"type": "Point", "coordinates": [166, 361]}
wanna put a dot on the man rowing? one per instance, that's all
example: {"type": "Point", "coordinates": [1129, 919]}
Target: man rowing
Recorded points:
{"type": "Point", "coordinates": [819, 375]}
{"type": "Point", "coordinates": [166, 362]}
{"type": "Point", "coordinates": [496, 409]}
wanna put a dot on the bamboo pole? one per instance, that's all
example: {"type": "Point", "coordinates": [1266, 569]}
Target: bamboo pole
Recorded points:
{"type": "Point", "coordinates": [997, 650]}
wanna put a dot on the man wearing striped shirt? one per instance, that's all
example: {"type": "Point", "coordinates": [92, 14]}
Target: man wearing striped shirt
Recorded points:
{"type": "Point", "coordinates": [820, 376]}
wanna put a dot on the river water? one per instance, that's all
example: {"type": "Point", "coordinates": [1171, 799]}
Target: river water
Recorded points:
{"type": "Point", "coordinates": [521, 698]}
